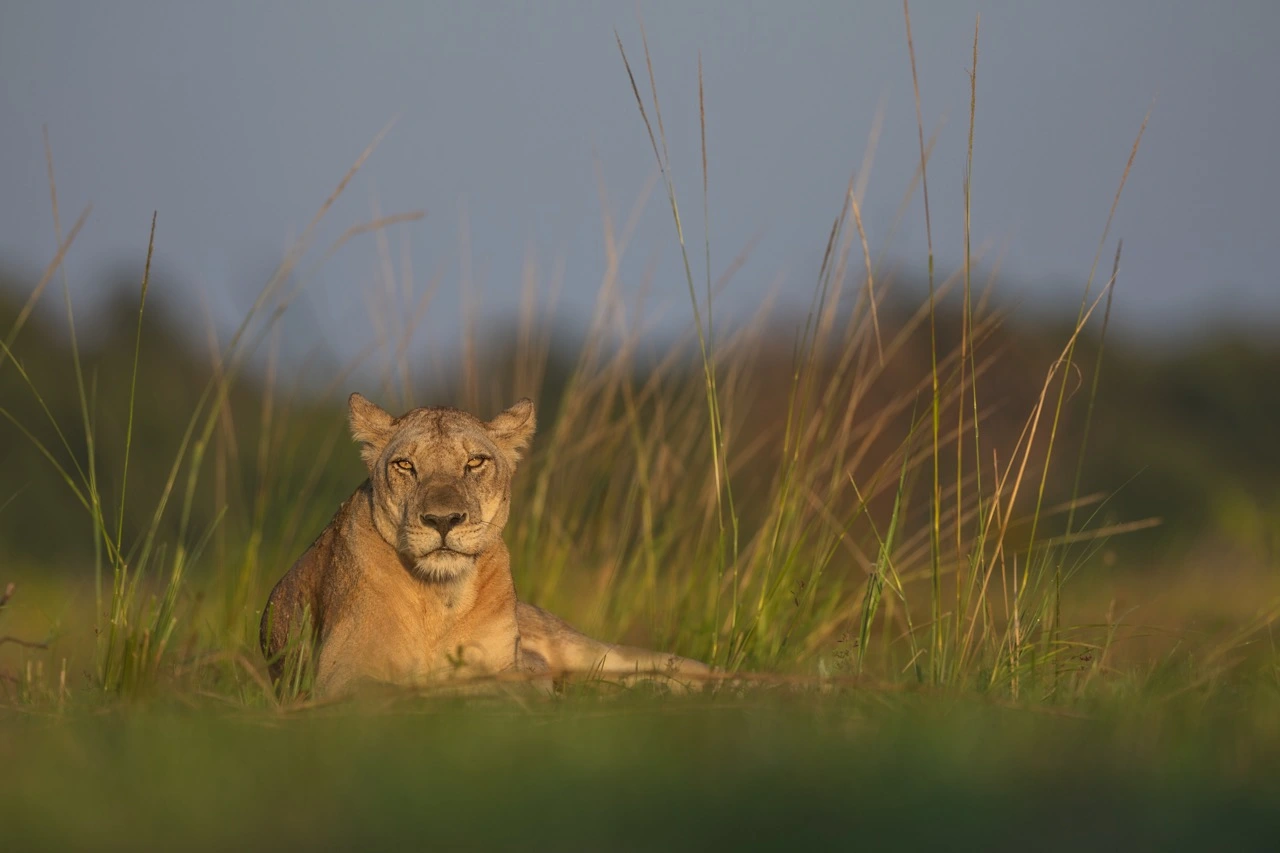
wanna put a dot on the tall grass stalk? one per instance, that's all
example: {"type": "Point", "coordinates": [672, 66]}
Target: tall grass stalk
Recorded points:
{"type": "Point", "coordinates": [966, 352]}
{"type": "Point", "coordinates": [1068, 356]}
{"type": "Point", "coordinates": [935, 624]}
{"type": "Point", "coordinates": [728, 552]}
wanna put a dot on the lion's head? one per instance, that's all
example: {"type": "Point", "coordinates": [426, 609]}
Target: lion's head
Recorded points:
{"type": "Point", "coordinates": [441, 480]}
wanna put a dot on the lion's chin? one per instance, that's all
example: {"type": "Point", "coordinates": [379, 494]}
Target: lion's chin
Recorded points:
{"type": "Point", "coordinates": [443, 565]}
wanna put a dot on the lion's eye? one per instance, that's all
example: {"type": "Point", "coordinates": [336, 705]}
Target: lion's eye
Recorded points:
{"type": "Point", "coordinates": [476, 462]}
{"type": "Point", "coordinates": [403, 465]}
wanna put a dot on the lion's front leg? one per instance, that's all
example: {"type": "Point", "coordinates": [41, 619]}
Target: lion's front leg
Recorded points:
{"type": "Point", "coordinates": [551, 645]}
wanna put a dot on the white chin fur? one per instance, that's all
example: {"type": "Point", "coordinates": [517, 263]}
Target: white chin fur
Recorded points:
{"type": "Point", "coordinates": [442, 566]}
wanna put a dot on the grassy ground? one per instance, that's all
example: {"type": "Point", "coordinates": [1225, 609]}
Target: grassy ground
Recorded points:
{"type": "Point", "coordinates": [901, 580]}
{"type": "Point", "coordinates": [762, 771]}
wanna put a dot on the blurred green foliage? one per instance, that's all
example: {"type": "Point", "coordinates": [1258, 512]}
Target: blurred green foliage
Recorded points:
{"type": "Point", "coordinates": [1183, 433]}
{"type": "Point", "coordinates": [848, 771]}
{"type": "Point", "coordinates": [41, 522]}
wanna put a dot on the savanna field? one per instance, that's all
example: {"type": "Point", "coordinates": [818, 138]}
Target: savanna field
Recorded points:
{"type": "Point", "coordinates": [971, 579]}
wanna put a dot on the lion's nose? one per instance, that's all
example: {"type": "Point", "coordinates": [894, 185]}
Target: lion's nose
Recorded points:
{"type": "Point", "coordinates": [444, 523]}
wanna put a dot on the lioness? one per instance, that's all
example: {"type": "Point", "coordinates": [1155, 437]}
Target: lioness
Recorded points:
{"type": "Point", "coordinates": [411, 580]}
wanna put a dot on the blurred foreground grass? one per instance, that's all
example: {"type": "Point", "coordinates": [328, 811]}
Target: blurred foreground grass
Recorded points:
{"type": "Point", "coordinates": [762, 771]}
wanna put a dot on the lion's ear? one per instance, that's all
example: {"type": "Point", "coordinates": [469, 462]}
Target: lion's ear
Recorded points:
{"type": "Point", "coordinates": [370, 426]}
{"type": "Point", "coordinates": [513, 429]}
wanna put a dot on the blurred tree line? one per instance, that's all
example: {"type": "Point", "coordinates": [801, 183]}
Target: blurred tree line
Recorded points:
{"type": "Point", "coordinates": [1184, 434]}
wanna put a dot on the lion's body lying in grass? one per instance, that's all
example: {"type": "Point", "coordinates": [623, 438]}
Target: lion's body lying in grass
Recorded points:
{"type": "Point", "coordinates": [411, 582]}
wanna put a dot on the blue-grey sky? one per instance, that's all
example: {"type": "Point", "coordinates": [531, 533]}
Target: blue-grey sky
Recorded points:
{"type": "Point", "coordinates": [235, 119]}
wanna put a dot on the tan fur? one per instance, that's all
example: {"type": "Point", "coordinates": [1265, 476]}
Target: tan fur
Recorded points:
{"type": "Point", "coordinates": [548, 642]}
{"type": "Point", "coordinates": [411, 582]}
